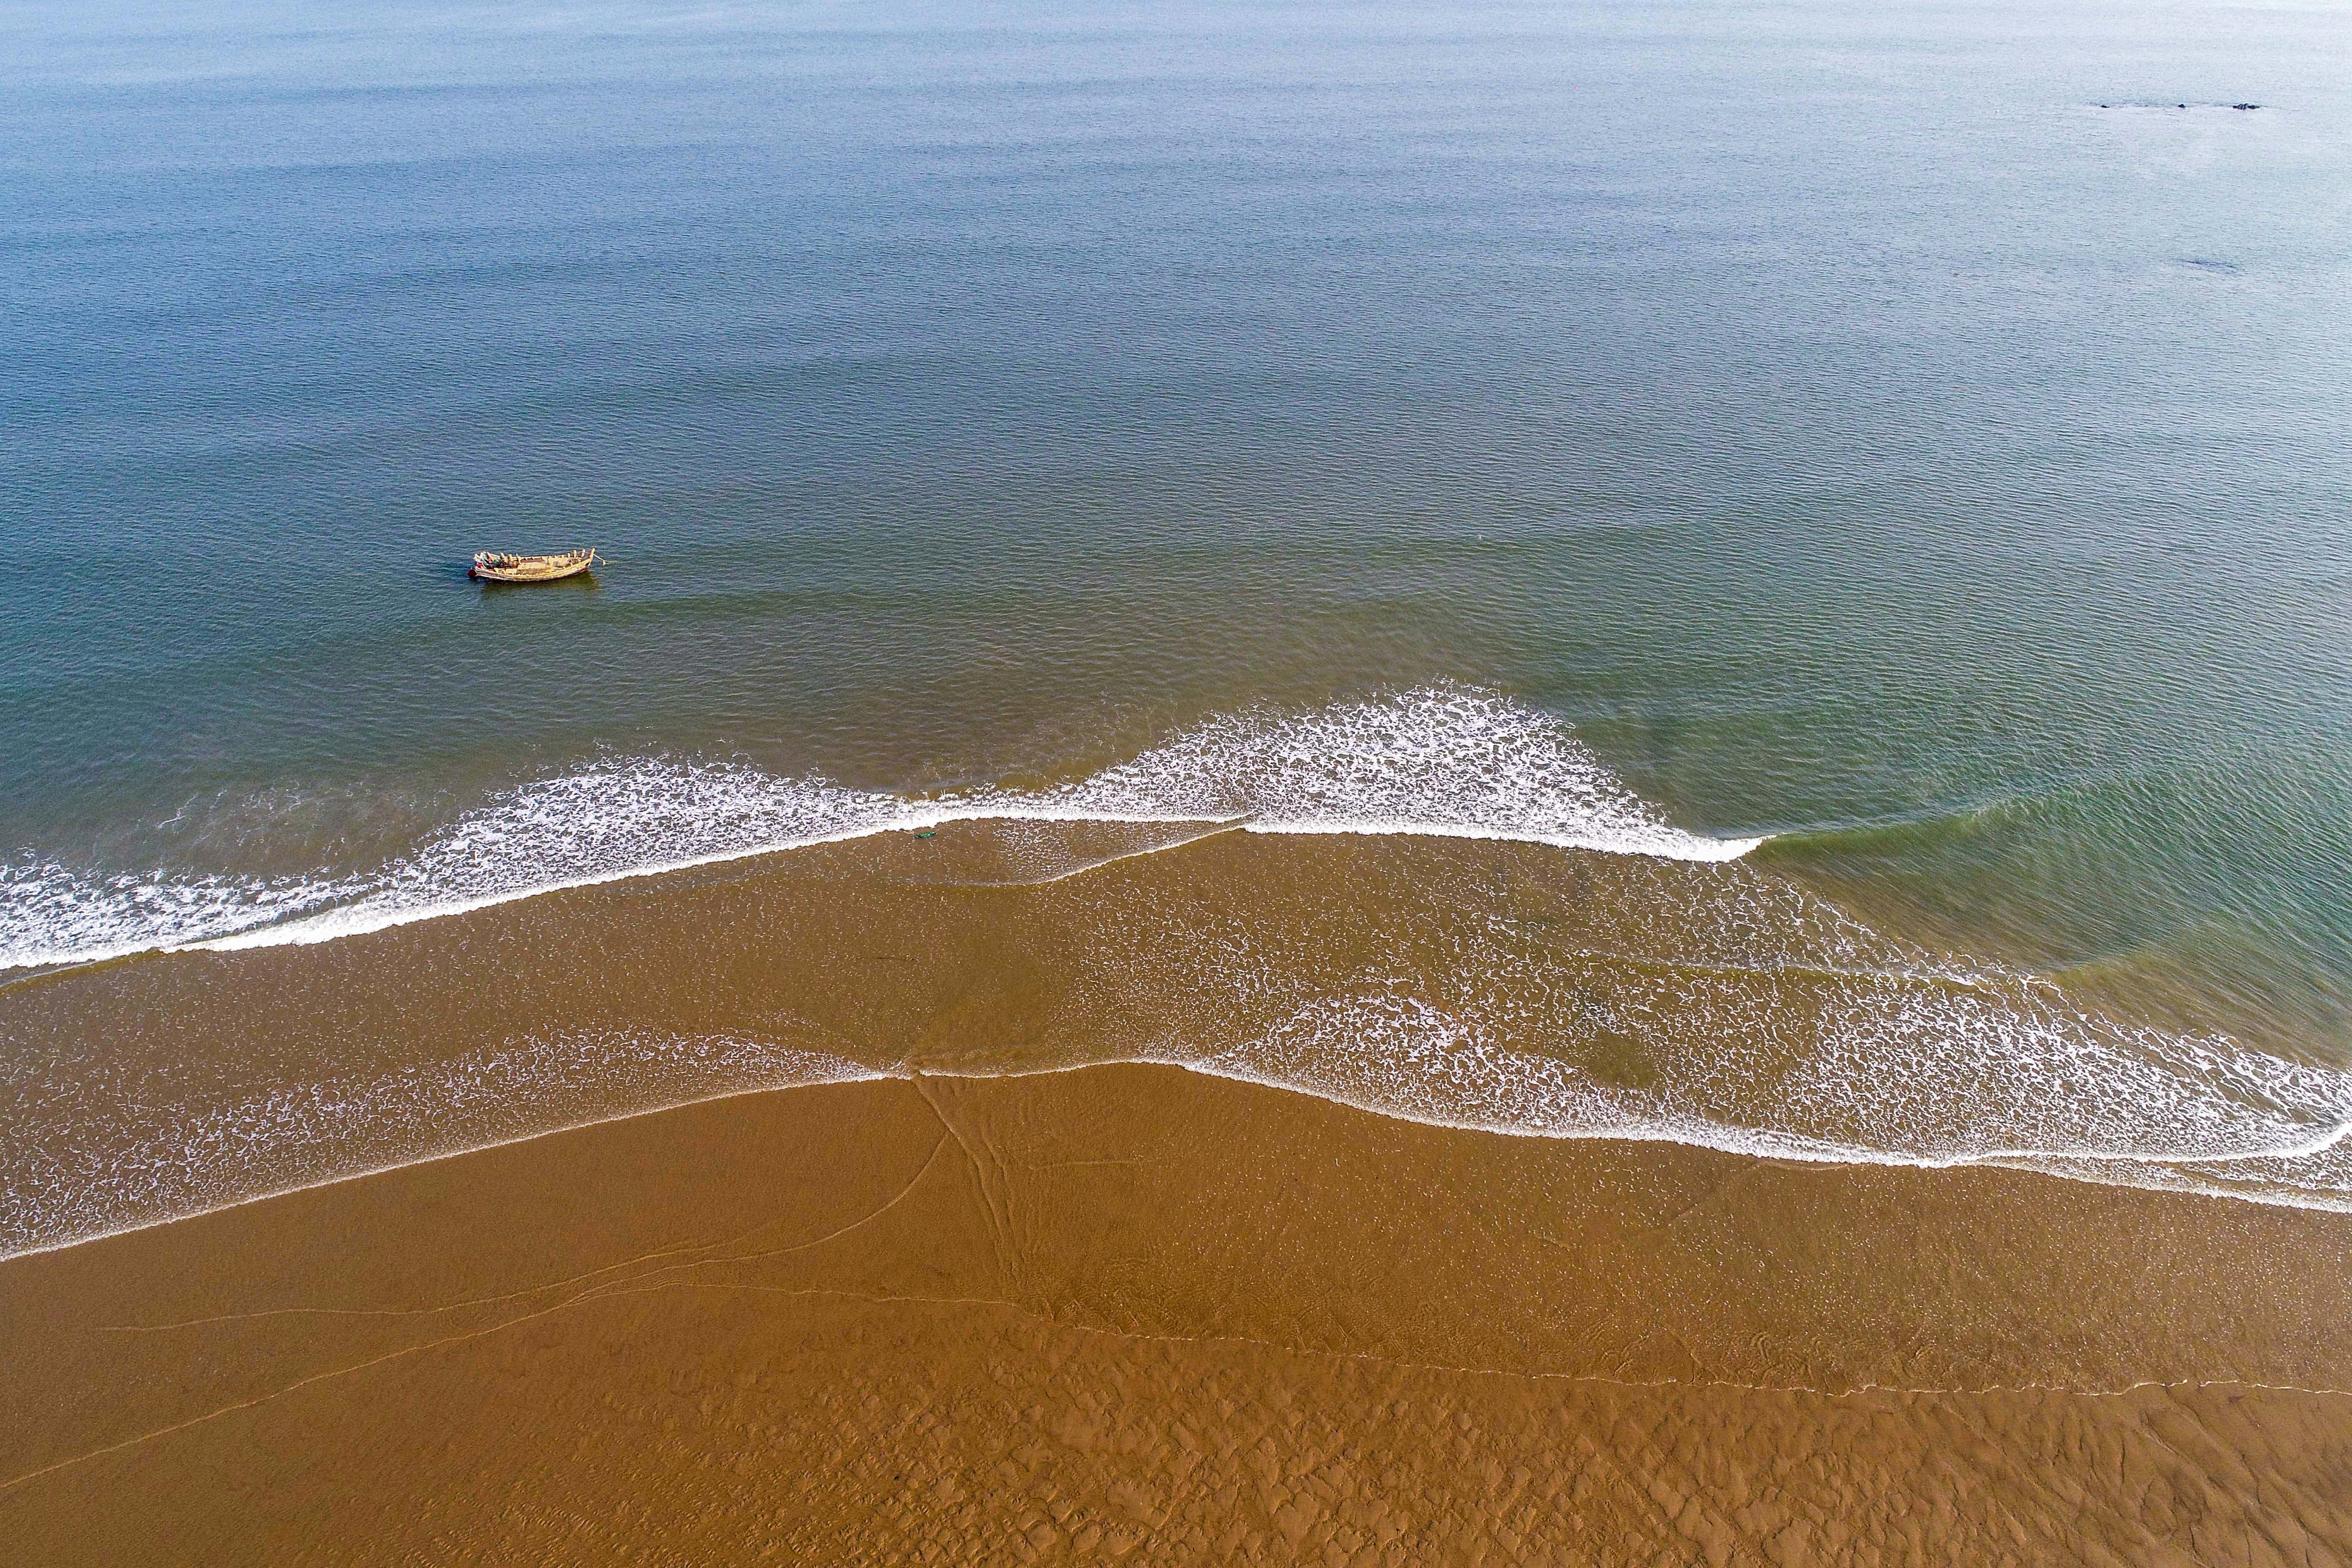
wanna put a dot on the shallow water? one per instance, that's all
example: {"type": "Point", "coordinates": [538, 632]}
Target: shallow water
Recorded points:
{"type": "Point", "coordinates": [1909, 437]}
{"type": "Point", "coordinates": [1473, 983]}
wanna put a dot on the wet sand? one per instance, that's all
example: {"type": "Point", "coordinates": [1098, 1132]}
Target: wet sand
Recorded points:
{"type": "Point", "coordinates": [1135, 1313]}
{"type": "Point", "coordinates": [1487, 985]}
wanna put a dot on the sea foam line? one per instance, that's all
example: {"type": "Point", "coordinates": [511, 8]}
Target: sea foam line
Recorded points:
{"type": "Point", "coordinates": [360, 920]}
{"type": "Point", "coordinates": [1437, 762]}
{"type": "Point", "coordinates": [1688, 1133]}
{"type": "Point", "coordinates": [1762, 1142]}
{"type": "Point", "coordinates": [815, 1071]}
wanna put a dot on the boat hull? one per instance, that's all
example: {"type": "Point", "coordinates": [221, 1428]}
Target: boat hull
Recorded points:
{"type": "Point", "coordinates": [491, 566]}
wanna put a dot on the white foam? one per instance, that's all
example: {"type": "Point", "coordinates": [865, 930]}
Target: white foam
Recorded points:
{"type": "Point", "coordinates": [1758, 1038]}
{"type": "Point", "coordinates": [1382, 1050]}
{"type": "Point", "coordinates": [1440, 761]}
{"type": "Point", "coordinates": [1866, 1099]}
{"type": "Point", "coordinates": [2277, 1181]}
{"type": "Point", "coordinates": [51, 914]}
{"type": "Point", "coordinates": [1446, 760]}
{"type": "Point", "coordinates": [1697, 1003]}
{"type": "Point", "coordinates": [1397, 1057]}
{"type": "Point", "coordinates": [177, 1162]}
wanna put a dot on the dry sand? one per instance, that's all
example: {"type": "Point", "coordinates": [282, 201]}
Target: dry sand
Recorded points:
{"type": "Point", "coordinates": [1135, 1313]}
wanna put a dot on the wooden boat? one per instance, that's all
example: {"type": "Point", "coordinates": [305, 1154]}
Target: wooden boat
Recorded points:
{"type": "Point", "coordinates": [498, 566]}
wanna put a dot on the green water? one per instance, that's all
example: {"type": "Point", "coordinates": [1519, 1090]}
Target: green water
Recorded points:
{"type": "Point", "coordinates": [1849, 427]}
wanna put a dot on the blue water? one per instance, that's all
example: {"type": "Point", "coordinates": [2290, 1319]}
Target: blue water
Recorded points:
{"type": "Point", "coordinates": [1913, 431]}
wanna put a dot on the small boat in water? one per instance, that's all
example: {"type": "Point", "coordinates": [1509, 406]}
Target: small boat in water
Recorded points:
{"type": "Point", "coordinates": [498, 566]}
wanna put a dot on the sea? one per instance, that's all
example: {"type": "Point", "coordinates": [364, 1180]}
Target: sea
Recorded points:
{"type": "Point", "coordinates": [1771, 575]}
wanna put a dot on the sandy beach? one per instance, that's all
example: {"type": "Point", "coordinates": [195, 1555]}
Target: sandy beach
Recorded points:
{"type": "Point", "coordinates": [1345, 783]}
{"type": "Point", "coordinates": [1138, 1313]}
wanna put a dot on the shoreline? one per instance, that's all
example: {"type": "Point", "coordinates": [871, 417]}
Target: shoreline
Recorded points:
{"type": "Point", "coordinates": [1765, 1146]}
{"type": "Point", "coordinates": [314, 929]}
{"type": "Point", "coordinates": [1148, 1224]}
{"type": "Point", "coordinates": [1403, 776]}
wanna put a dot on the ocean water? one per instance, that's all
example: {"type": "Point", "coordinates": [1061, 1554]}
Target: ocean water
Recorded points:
{"type": "Point", "coordinates": [1875, 471]}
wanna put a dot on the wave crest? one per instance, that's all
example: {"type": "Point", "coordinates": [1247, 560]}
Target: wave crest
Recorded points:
{"type": "Point", "coordinates": [1447, 760]}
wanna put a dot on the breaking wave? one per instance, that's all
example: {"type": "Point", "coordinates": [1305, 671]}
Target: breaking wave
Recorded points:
{"type": "Point", "coordinates": [1656, 992]}
{"type": "Point", "coordinates": [1445, 761]}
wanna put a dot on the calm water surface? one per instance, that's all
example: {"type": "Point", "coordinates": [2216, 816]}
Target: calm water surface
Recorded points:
{"type": "Point", "coordinates": [1913, 432]}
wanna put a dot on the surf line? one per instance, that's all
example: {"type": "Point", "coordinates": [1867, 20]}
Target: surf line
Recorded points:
{"type": "Point", "coordinates": [359, 920]}
{"type": "Point", "coordinates": [1755, 1144]}
{"type": "Point", "coordinates": [834, 1071]}
{"type": "Point", "coordinates": [366, 915]}
{"type": "Point", "coordinates": [1763, 1143]}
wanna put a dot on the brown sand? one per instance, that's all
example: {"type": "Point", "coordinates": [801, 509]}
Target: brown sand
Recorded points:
{"type": "Point", "coordinates": [1131, 1313]}
{"type": "Point", "coordinates": [166, 1085]}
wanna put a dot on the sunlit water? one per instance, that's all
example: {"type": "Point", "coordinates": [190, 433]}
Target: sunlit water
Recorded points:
{"type": "Point", "coordinates": [1909, 437]}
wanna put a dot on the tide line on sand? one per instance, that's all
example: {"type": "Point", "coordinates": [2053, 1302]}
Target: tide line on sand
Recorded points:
{"type": "Point", "coordinates": [2109, 1168]}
